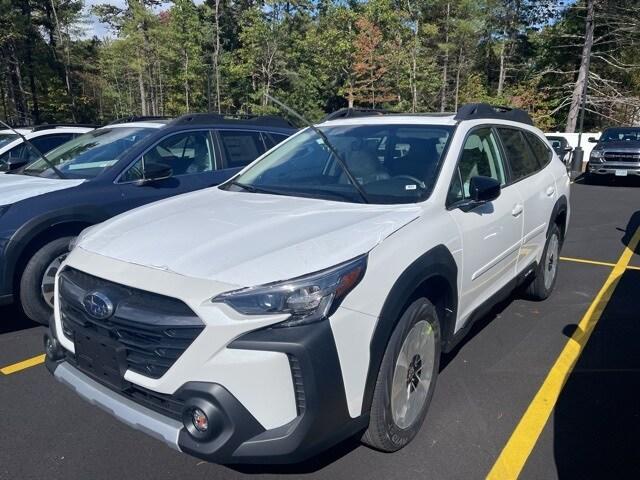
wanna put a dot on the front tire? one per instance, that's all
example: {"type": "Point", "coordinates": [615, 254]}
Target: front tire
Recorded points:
{"type": "Point", "coordinates": [36, 283]}
{"type": "Point", "coordinates": [547, 271]}
{"type": "Point", "coordinates": [406, 379]}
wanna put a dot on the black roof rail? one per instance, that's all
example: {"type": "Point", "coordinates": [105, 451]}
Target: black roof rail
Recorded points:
{"type": "Point", "coordinates": [473, 111]}
{"type": "Point", "coordinates": [47, 126]}
{"type": "Point", "coordinates": [240, 119]}
{"type": "Point", "coordinates": [138, 118]}
{"type": "Point", "coordinates": [353, 112]}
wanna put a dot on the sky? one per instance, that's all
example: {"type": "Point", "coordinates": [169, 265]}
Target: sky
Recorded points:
{"type": "Point", "coordinates": [94, 27]}
{"type": "Point", "coordinates": [100, 30]}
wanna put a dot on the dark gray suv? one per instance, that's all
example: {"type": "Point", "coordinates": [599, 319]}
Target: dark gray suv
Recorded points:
{"type": "Point", "coordinates": [616, 153]}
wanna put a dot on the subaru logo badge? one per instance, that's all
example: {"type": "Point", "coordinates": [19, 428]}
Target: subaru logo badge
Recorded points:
{"type": "Point", "coordinates": [98, 305]}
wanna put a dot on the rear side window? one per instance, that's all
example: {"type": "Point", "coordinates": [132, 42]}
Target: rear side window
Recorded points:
{"type": "Point", "coordinates": [540, 149]}
{"type": "Point", "coordinates": [520, 157]}
{"type": "Point", "coordinates": [49, 142]}
{"type": "Point", "coordinates": [241, 147]}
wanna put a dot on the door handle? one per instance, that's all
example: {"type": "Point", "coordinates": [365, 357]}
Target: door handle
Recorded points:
{"type": "Point", "coordinates": [550, 191]}
{"type": "Point", "coordinates": [517, 210]}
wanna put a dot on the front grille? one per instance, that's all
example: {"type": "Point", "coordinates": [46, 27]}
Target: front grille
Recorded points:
{"type": "Point", "coordinates": [622, 157]}
{"type": "Point", "coordinates": [154, 330]}
{"type": "Point", "coordinates": [164, 404]}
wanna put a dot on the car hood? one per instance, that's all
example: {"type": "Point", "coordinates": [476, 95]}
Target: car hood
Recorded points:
{"type": "Point", "coordinates": [14, 188]}
{"type": "Point", "coordinates": [245, 239]}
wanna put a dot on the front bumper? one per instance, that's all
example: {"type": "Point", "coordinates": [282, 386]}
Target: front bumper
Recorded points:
{"type": "Point", "coordinates": [237, 437]}
{"type": "Point", "coordinates": [613, 168]}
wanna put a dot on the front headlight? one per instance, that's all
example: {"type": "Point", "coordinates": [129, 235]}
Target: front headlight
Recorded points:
{"type": "Point", "coordinates": [596, 155]}
{"type": "Point", "coordinates": [306, 299]}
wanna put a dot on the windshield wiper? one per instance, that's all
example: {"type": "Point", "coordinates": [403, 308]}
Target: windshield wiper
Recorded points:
{"type": "Point", "coordinates": [326, 141]}
{"type": "Point", "coordinates": [252, 189]}
{"type": "Point", "coordinates": [35, 149]}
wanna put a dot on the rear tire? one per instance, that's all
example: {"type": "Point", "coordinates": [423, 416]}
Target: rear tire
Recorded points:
{"type": "Point", "coordinates": [406, 379]}
{"type": "Point", "coordinates": [547, 271]}
{"type": "Point", "coordinates": [36, 286]}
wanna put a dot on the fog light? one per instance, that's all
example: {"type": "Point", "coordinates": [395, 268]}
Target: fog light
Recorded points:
{"type": "Point", "coordinates": [52, 347]}
{"type": "Point", "coordinates": [200, 420]}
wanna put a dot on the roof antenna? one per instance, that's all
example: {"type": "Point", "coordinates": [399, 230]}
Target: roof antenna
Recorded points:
{"type": "Point", "coordinates": [326, 141]}
{"type": "Point", "coordinates": [35, 149]}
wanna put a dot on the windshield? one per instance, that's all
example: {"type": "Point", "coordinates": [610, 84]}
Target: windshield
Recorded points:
{"type": "Point", "coordinates": [391, 163]}
{"type": "Point", "coordinates": [89, 154]}
{"type": "Point", "coordinates": [621, 134]}
{"type": "Point", "coordinates": [7, 138]}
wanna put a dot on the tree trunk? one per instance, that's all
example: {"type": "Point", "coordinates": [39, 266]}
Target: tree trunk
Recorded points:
{"type": "Point", "coordinates": [414, 69]}
{"type": "Point", "coordinates": [503, 72]}
{"type": "Point", "coordinates": [580, 87]}
{"type": "Point", "coordinates": [457, 97]}
{"type": "Point", "coordinates": [16, 88]}
{"type": "Point", "coordinates": [35, 110]}
{"type": "Point", "coordinates": [65, 61]}
{"type": "Point", "coordinates": [216, 55]}
{"type": "Point", "coordinates": [4, 101]}
{"type": "Point", "coordinates": [143, 93]}
{"type": "Point", "coordinates": [445, 66]}
{"type": "Point", "coordinates": [186, 80]}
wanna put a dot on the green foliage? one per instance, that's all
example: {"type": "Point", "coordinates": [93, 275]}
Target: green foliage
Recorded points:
{"type": "Point", "coordinates": [403, 55]}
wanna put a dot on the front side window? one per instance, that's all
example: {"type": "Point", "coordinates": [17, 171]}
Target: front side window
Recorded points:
{"type": "Point", "coordinates": [241, 147]}
{"type": "Point", "coordinates": [480, 157]}
{"type": "Point", "coordinates": [390, 163]}
{"type": "Point", "coordinates": [520, 157]}
{"type": "Point", "coordinates": [186, 153]}
{"type": "Point", "coordinates": [90, 154]}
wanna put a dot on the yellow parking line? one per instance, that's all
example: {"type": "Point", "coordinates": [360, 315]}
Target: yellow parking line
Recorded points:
{"type": "Point", "coordinates": [595, 262]}
{"type": "Point", "coordinates": [23, 365]}
{"type": "Point", "coordinates": [511, 461]}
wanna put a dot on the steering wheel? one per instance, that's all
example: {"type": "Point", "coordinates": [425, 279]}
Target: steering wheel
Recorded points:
{"type": "Point", "coordinates": [415, 180]}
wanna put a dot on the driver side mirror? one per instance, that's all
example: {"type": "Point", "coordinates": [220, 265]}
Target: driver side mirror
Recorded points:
{"type": "Point", "coordinates": [481, 190]}
{"type": "Point", "coordinates": [154, 172]}
{"type": "Point", "coordinates": [592, 140]}
{"type": "Point", "coordinates": [484, 189]}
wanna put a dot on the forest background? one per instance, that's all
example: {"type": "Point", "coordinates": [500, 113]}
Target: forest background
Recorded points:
{"type": "Point", "coordinates": [169, 58]}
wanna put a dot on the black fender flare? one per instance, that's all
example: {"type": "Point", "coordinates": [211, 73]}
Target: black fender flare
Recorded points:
{"type": "Point", "coordinates": [437, 262]}
{"type": "Point", "coordinates": [38, 225]}
{"type": "Point", "coordinates": [561, 206]}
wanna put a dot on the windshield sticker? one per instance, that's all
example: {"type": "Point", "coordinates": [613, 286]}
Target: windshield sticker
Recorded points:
{"type": "Point", "coordinates": [410, 187]}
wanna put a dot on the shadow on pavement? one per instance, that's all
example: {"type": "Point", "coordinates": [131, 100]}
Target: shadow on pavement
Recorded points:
{"type": "Point", "coordinates": [597, 418]}
{"type": "Point", "coordinates": [609, 180]}
{"type": "Point", "coordinates": [632, 227]}
{"type": "Point", "coordinates": [12, 320]}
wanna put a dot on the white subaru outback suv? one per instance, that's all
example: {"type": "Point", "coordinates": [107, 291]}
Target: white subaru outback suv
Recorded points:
{"type": "Point", "coordinates": [309, 298]}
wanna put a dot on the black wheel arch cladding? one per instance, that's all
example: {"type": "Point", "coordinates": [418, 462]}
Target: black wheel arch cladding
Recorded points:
{"type": "Point", "coordinates": [66, 222]}
{"type": "Point", "coordinates": [437, 263]}
{"type": "Point", "coordinates": [560, 209]}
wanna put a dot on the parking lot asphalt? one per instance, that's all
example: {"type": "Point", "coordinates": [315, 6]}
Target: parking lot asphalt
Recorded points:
{"type": "Point", "coordinates": [486, 392]}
